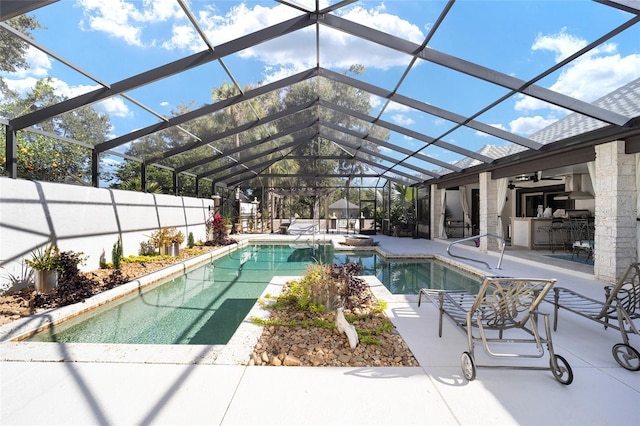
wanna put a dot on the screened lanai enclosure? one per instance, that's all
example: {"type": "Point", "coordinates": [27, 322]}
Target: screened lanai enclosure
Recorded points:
{"type": "Point", "coordinates": [293, 105]}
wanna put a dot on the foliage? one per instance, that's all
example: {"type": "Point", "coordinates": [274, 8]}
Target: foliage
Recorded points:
{"type": "Point", "coordinates": [103, 260]}
{"type": "Point", "coordinates": [190, 240]}
{"type": "Point", "coordinates": [74, 287]}
{"type": "Point", "coordinates": [166, 236]}
{"type": "Point", "coordinates": [145, 258]}
{"type": "Point", "coordinates": [40, 157]}
{"type": "Point", "coordinates": [353, 290]}
{"type": "Point", "coordinates": [216, 228]}
{"type": "Point", "coordinates": [134, 183]}
{"type": "Point", "coordinates": [230, 151]}
{"type": "Point", "coordinates": [325, 287]}
{"type": "Point", "coordinates": [115, 279]}
{"type": "Point", "coordinates": [45, 258]}
{"type": "Point", "coordinates": [13, 51]}
{"type": "Point", "coordinates": [116, 254]}
{"type": "Point", "coordinates": [68, 262]}
{"type": "Point", "coordinates": [380, 306]}
{"type": "Point", "coordinates": [402, 204]}
{"type": "Point", "coordinates": [147, 248]}
{"type": "Point", "coordinates": [177, 237]}
{"type": "Point", "coordinates": [316, 290]}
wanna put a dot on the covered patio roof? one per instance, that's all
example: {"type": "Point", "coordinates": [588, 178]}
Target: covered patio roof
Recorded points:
{"type": "Point", "coordinates": [464, 96]}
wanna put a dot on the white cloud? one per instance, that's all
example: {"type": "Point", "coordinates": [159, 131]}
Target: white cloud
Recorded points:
{"type": "Point", "coordinates": [38, 64]}
{"type": "Point", "coordinates": [397, 107]}
{"type": "Point", "coordinates": [124, 20]}
{"type": "Point", "coordinates": [115, 107]}
{"type": "Point", "coordinates": [132, 21]}
{"type": "Point", "coordinates": [402, 120]}
{"type": "Point", "coordinates": [23, 80]}
{"type": "Point", "coordinates": [112, 106]}
{"type": "Point", "coordinates": [562, 44]}
{"type": "Point", "coordinates": [184, 37]}
{"type": "Point", "coordinates": [587, 78]}
{"type": "Point", "coordinates": [164, 104]}
{"type": "Point", "coordinates": [21, 86]}
{"type": "Point", "coordinates": [291, 53]}
{"type": "Point", "coordinates": [530, 125]}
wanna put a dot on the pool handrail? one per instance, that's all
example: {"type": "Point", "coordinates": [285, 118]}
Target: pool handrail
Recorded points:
{"type": "Point", "coordinates": [497, 237]}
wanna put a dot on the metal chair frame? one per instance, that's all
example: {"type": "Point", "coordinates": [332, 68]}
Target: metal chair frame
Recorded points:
{"type": "Point", "coordinates": [620, 308]}
{"type": "Point", "coordinates": [582, 237]}
{"type": "Point", "coordinates": [501, 305]}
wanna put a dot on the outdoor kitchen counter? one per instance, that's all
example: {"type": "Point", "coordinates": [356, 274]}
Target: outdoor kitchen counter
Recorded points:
{"type": "Point", "coordinates": [530, 232]}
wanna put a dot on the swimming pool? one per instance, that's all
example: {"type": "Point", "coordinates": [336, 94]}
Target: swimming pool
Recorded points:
{"type": "Point", "coordinates": [202, 307]}
{"type": "Point", "coordinates": [205, 306]}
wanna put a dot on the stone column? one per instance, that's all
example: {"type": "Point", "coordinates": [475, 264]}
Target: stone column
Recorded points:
{"type": "Point", "coordinates": [615, 216]}
{"type": "Point", "coordinates": [436, 211]}
{"type": "Point", "coordinates": [488, 211]}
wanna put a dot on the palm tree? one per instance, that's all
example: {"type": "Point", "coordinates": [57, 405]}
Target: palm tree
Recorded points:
{"type": "Point", "coordinates": [402, 198]}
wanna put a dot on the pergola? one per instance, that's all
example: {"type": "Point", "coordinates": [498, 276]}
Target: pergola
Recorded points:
{"type": "Point", "coordinates": [285, 132]}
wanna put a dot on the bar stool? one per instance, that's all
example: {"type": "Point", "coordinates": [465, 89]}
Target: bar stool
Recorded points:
{"type": "Point", "coordinates": [557, 224]}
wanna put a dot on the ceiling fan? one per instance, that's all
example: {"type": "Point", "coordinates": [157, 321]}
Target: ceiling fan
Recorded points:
{"type": "Point", "coordinates": [535, 177]}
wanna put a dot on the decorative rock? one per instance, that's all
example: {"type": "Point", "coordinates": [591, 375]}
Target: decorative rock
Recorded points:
{"type": "Point", "coordinates": [323, 347]}
{"type": "Point", "coordinates": [276, 361]}
{"type": "Point", "coordinates": [344, 358]}
{"type": "Point", "coordinates": [291, 360]}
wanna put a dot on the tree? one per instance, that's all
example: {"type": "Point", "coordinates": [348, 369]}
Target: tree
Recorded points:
{"type": "Point", "coordinates": [50, 159]}
{"type": "Point", "coordinates": [13, 50]}
{"type": "Point", "coordinates": [402, 206]}
{"type": "Point", "coordinates": [341, 95]}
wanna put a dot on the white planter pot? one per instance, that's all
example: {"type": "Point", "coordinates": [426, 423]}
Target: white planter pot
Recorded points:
{"type": "Point", "coordinates": [174, 249]}
{"type": "Point", "coordinates": [46, 281]}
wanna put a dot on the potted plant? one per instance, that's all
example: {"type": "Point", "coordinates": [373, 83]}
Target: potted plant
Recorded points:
{"type": "Point", "coordinates": [45, 262]}
{"type": "Point", "coordinates": [175, 239]}
{"type": "Point", "coordinates": [167, 240]}
{"type": "Point", "coordinates": [228, 224]}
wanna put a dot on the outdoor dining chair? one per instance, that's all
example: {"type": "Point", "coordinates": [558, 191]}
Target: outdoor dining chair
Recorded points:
{"type": "Point", "coordinates": [582, 238]}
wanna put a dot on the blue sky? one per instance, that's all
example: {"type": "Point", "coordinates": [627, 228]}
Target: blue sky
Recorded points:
{"type": "Point", "coordinates": [116, 39]}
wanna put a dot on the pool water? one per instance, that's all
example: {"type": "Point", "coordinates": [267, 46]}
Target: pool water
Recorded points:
{"type": "Point", "coordinates": [205, 306]}
{"type": "Point", "coordinates": [408, 276]}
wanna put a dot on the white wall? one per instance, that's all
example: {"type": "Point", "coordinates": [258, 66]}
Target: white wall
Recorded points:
{"type": "Point", "coordinates": [86, 219]}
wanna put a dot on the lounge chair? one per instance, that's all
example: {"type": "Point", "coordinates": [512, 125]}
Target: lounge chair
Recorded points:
{"type": "Point", "coordinates": [503, 312]}
{"type": "Point", "coordinates": [302, 228]}
{"type": "Point", "coordinates": [621, 306]}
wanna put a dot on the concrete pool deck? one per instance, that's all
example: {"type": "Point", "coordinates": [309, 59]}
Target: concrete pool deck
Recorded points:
{"type": "Point", "coordinates": [156, 391]}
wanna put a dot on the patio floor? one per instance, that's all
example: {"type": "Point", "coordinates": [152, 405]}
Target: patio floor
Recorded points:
{"type": "Point", "coordinates": [141, 392]}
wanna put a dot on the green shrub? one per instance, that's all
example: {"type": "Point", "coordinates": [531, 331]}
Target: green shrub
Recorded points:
{"type": "Point", "coordinates": [147, 248]}
{"type": "Point", "coordinates": [103, 260]}
{"type": "Point", "coordinates": [116, 254]}
{"type": "Point", "coordinates": [325, 287]}
{"type": "Point", "coordinates": [190, 240]}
